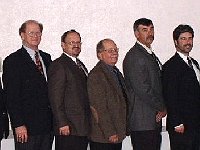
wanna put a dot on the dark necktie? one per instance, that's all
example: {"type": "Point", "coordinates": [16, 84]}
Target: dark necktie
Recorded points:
{"type": "Point", "coordinates": [157, 60]}
{"type": "Point", "coordinates": [120, 80]}
{"type": "Point", "coordinates": [38, 63]}
{"type": "Point", "coordinates": [81, 66]}
{"type": "Point", "coordinates": [189, 62]}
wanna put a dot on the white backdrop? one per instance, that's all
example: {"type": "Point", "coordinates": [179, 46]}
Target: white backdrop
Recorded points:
{"type": "Point", "coordinates": [96, 20]}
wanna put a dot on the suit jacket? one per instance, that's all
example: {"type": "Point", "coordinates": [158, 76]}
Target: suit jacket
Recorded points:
{"type": "Point", "coordinates": [143, 81]}
{"type": "Point", "coordinates": [26, 92]}
{"type": "Point", "coordinates": [181, 93]}
{"type": "Point", "coordinates": [4, 122]}
{"type": "Point", "coordinates": [107, 103]}
{"type": "Point", "coordinates": [68, 96]}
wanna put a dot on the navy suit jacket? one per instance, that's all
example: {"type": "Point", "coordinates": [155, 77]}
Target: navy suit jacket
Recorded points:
{"type": "Point", "coordinates": [26, 92]}
{"type": "Point", "coordinates": [181, 93]}
{"type": "Point", "coordinates": [4, 122]}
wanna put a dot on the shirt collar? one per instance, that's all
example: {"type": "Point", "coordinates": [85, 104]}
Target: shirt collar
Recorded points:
{"type": "Point", "coordinates": [182, 56]}
{"type": "Point", "coordinates": [149, 50]}
{"type": "Point", "coordinates": [73, 58]}
{"type": "Point", "coordinates": [30, 51]}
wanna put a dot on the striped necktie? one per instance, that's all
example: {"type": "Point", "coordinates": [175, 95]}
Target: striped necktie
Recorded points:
{"type": "Point", "coordinates": [81, 66]}
{"type": "Point", "coordinates": [190, 62]}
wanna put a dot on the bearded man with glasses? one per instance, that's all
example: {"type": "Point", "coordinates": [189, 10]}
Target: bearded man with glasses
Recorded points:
{"type": "Point", "coordinates": [68, 95]}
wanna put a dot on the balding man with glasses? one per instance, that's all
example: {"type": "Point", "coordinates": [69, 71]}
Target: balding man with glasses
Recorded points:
{"type": "Point", "coordinates": [107, 96]}
{"type": "Point", "coordinates": [25, 85]}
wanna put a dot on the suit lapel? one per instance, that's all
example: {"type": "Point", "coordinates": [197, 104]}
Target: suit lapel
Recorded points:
{"type": "Point", "coordinates": [195, 63]}
{"type": "Point", "coordinates": [27, 59]}
{"type": "Point", "coordinates": [110, 77]}
{"type": "Point", "coordinates": [73, 67]}
{"type": "Point", "coordinates": [45, 59]}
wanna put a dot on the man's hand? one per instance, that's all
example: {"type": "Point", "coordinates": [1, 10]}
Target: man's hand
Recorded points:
{"type": "Point", "coordinates": [21, 134]}
{"type": "Point", "coordinates": [180, 128]}
{"type": "Point", "coordinates": [64, 130]}
{"type": "Point", "coordinates": [114, 138]}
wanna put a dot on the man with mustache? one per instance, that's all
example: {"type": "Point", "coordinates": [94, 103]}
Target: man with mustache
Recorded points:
{"type": "Point", "coordinates": [68, 95]}
{"type": "Point", "coordinates": [181, 76]}
{"type": "Point", "coordinates": [142, 72]}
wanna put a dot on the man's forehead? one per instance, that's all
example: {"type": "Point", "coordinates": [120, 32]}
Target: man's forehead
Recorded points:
{"type": "Point", "coordinates": [146, 26]}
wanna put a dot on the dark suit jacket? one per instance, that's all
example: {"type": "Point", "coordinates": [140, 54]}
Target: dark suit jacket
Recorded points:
{"type": "Point", "coordinates": [4, 122]}
{"type": "Point", "coordinates": [181, 93]}
{"type": "Point", "coordinates": [107, 103]}
{"type": "Point", "coordinates": [26, 92]}
{"type": "Point", "coordinates": [68, 96]}
{"type": "Point", "coordinates": [143, 81]}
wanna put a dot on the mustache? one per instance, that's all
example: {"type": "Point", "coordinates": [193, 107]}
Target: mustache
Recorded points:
{"type": "Point", "coordinates": [75, 47]}
{"type": "Point", "coordinates": [188, 45]}
{"type": "Point", "coordinates": [150, 37]}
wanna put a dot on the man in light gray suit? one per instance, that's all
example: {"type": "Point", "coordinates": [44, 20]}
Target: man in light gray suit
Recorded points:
{"type": "Point", "coordinates": [142, 71]}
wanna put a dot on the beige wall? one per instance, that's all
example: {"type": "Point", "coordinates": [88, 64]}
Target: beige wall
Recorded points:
{"type": "Point", "coordinates": [95, 20]}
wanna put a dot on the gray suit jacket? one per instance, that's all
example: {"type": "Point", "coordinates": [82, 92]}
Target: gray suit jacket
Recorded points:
{"type": "Point", "coordinates": [68, 96]}
{"type": "Point", "coordinates": [143, 81]}
{"type": "Point", "coordinates": [107, 103]}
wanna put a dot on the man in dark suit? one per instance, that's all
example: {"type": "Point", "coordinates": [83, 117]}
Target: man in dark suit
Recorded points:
{"type": "Point", "coordinates": [181, 76]}
{"type": "Point", "coordinates": [4, 121]}
{"type": "Point", "coordinates": [142, 72]}
{"type": "Point", "coordinates": [107, 96]}
{"type": "Point", "coordinates": [68, 95]}
{"type": "Point", "coordinates": [25, 85]}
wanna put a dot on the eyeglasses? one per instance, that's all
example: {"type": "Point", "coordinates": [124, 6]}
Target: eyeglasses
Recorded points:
{"type": "Point", "coordinates": [74, 43]}
{"type": "Point", "coordinates": [34, 34]}
{"type": "Point", "coordinates": [112, 50]}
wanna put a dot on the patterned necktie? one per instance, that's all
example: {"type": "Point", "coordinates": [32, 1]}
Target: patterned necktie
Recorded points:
{"type": "Point", "coordinates": [81, 66]}
{"type": "Point", "coordinates": [120, 81]}
{"type": "Point", "coordinates": [38, 63]}
{"type": "Point", "coordinates": [189, 62]}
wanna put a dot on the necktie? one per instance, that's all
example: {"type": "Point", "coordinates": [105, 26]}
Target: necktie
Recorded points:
{"type": "Point", "coordinates": [120, 80]}
{"type": "Point", "coordinates": [189, 62]}
{"type": "Point", "coordinates": [81, 66]}
{"type": "Point", "coordinates": [157, 60]}
{"type": "Point", "coordinates": [38, 63]}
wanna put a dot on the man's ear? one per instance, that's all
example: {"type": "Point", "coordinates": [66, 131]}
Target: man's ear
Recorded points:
{"type": "Point", "coordinates": [22, 36]}
{"type": "Point", "coordinates": [62, 45]}
{"type": "Point", "coordinates": [99, 56]}
{"type": "Point", "coordinates": [175, 43]}
{"type": "Point", "coordinates": [136, 34]}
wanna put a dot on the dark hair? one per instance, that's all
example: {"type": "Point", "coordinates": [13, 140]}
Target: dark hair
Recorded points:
{"type": "Point", "coordinates": [182, 29]}
{"type": "Point", "coordinates": [141, 21]}
{"type": "Point", "coordinates": [68, 32]}
{"type": "Point", "coordinates": [23, 26]}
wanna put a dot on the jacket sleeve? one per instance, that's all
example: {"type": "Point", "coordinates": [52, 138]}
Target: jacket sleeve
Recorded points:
{"type": "Point", "coordinates": [98, 101]}
{"type": "Point", "coordinates": [12, 85]}
{"type": "Point", "coordinates": [56, 91]}
{"type": "Point", "coordinates": [137, 78]}
{"type": "Point", "coordinates": [171, 84]}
